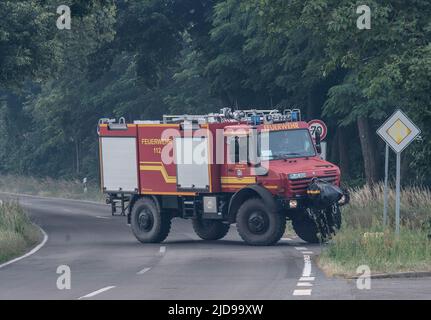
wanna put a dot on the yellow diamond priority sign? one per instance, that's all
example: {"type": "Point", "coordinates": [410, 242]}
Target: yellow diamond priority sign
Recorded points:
{"type": "Point", "coordinates": [398, 131]}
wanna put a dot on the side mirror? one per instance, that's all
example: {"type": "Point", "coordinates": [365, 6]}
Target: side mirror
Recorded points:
{"type": "Point", "coordinates": [318, 140]}
{"type": "Point", "coordinates": [252, 152]}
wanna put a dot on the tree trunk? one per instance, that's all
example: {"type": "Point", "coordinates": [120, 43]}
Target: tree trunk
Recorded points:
{"type": "Point", "coordinates": [368, 147]}
{"type": "Point", "coordinates": [343, 154]}
{"type": "Point", "coordinates": [77, 155]}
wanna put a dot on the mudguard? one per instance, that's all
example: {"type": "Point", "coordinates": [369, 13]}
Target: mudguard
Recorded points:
{"type": "Point", "coordinates": [249, 192]}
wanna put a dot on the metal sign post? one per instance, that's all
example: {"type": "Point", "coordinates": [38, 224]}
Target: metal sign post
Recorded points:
{"type": "Point", "coordinates": [398, 132]}
{"type": "Point", "coordinates": [324, 146]}
{"type": "Point", "coordinates": [397, 196]}
{"type": "Point", "coordinates": [385, 198]}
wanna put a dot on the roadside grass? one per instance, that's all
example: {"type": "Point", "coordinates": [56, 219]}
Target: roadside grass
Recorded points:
{"type": "Point", "coordinates": [363, 240]}
{"type": "Point", "coordinates": [69, 189]}
{"type": "Point", "coordinates": [17, 233]}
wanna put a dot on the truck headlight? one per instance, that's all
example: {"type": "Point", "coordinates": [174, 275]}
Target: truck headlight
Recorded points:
{"type": "Point", "coordinates": [293, 204]}
{"type": "Point", "coordinates": [294, 176]}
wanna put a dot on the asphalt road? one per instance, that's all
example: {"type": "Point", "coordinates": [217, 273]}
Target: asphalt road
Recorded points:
{"type": "Point", "coordinates": [106, 262]}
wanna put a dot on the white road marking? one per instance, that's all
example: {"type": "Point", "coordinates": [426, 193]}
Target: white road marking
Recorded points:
{"type": "Point", "coordinates": [306, 279]}
{"type": "Point", "coordinates": [300, 248]}
{"type": "Point", "coordinates": [286, 239]}
{"type": "Point", "coordinates": [306, 272]}
{"type": "Point", "coordinates": [302, 292]}
{"type": "Point", "coordinates": [92, 294]}
{"type": "Point", "coordinates": [162, 249]}
{"type": "Point", "coordinates": [304, 284]}
{"type": "Point", "coordinates": [102, 217]}
{"type": "Point", "coordinates": [143, 271]}
{"type": "Point", "coordinates": [34, 250]}
{"type": "Point", "coordinates": [307, 252]}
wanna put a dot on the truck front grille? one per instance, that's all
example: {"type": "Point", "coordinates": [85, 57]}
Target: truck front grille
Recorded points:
{"type": "Point", "coordinates": [299, 187]}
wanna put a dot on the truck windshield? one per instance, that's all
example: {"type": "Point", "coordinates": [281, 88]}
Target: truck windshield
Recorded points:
{"type": "Point", "coordinates": [286, 144]}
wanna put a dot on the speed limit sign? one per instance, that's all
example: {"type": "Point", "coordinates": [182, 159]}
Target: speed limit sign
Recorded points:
{"type": "Point", "coordinates": [317, 126]}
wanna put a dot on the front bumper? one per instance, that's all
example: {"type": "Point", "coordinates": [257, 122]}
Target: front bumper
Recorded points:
{"type": "Point", "coordinates": [303, 202]}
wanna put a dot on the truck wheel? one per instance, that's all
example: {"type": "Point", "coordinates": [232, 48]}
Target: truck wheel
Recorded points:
{"type": "Point", "coordinates": [320, 228]}
{"type": "Point", "coordinates": [147, 222]}
{"type": "Point", "coordinates": [257, 225]}
{"type": "Point", "coordinates": [208, 229]}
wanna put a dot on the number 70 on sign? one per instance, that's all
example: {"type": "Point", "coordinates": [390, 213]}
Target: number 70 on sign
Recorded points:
{"type": "Point", "coordinates": [317, 126]}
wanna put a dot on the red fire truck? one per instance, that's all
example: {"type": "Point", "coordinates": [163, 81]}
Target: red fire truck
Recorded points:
{"type": "Point", "coordinates": [255, 168]}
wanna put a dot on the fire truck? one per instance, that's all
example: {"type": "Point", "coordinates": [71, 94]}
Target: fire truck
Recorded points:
{"type": "Point", "coordinates": [253, 168]}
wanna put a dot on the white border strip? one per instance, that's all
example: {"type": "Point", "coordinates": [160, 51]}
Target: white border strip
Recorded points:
{"type": "Point", "coordinates": [302, 292]}
{"type": "Point", "coordinates": [34, 250]}
{"type": "Point", "coordinates": [306, 272]}
{"type": "Point", "coordinates": [306, 279]}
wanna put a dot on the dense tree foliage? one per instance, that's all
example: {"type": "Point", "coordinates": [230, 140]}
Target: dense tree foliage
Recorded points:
{"type": "Point", "coordinates": [140, 59]}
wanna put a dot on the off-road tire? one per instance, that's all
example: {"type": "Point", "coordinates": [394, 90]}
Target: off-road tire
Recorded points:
{"type": "Point", "coordinates": [274, 223]}
{"type": "Point", "coordinates": [148, 224]}
{"type": "Point", "coordinates": [208, 229]}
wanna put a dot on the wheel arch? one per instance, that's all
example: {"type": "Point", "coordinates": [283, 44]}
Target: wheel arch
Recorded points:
{"type": "Point", "coordinates": [251, 191]}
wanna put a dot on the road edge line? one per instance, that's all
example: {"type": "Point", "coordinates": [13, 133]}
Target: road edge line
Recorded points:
{"type": "Point", "coordinates": [31, 252]}
{"type": "Point", "coordinates": [51, 198]}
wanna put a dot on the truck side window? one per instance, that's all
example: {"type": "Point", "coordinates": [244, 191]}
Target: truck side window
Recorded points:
{"type": "Point", "coordinates": [237, 149]}
{"type": "Point", "coordinates": [230, 156]}
{"type": "Point", "coordinates": [237, 146]}
{"type": "Point", "coordinates": [241, 149]}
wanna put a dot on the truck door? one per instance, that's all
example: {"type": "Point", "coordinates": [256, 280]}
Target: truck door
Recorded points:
{"type": "Point", "coordinates": [235, 173]}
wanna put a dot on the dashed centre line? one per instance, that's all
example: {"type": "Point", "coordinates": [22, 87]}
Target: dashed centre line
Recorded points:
{"type": "Point", "coordinates": [143, 271]}
{"type": "Point", "coordinates": [102, 217]}
{"type": "Point", "coordinates": [306, 272]}
{"type": "Point", "coordinates": [94, 293]}
{"type": "Point", "coordinates": [162, 249]}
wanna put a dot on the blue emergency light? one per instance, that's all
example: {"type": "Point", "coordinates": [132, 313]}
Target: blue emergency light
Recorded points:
{"type": "Point", "coordinates": [255, 119]}
{"type": "Point", "coordinates": [294, 116]}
